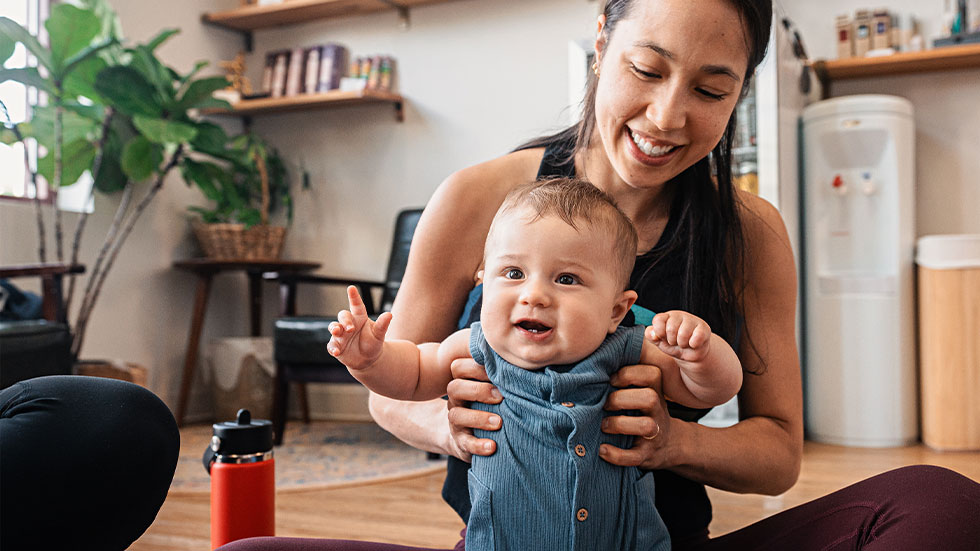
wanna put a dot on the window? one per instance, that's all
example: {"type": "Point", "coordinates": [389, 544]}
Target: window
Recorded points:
{"type": "Point", "coordinates": [15, 181]}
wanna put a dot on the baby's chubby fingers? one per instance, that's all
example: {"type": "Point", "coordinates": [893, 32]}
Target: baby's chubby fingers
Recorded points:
{"type": "Point", "coordinates": [356, 304]}
{"type": "Point", "coordinates": [699, 336]}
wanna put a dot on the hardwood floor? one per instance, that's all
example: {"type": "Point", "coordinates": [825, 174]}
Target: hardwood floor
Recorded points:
{"type": "Point", "coordinates": [412, 512]}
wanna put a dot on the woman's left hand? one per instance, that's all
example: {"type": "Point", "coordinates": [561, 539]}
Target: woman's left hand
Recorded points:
{"type": "Point", "coordinates": [639, 389]}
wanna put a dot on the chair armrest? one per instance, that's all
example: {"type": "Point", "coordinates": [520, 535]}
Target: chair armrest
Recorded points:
{"type": "Point", "coordinates": [289, 281]}
{"type": "Point", "coordinates": [51, 275]}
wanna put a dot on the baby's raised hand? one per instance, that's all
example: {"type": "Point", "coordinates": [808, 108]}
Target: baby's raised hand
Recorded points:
{"type": "Point", "coordinates": [681, 335]}
{"type": "Point", "coordinates": [355, 340]}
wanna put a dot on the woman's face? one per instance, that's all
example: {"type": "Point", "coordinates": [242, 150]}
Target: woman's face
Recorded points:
{"type": "Point", "coordinates": [669, 78]}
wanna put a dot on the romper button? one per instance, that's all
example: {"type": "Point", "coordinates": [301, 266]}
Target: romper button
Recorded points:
{"type": "Point", "coordinates": [582, 514]}
{"type": "Point", "coordinates": [580, 450]}
{"type": "Point", "coordinates": [568, 404]}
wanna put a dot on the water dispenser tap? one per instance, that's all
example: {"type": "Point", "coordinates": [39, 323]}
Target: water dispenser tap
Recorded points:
{"type": "Point", "coordinates": [868, 185]}
{"type": "Point", "coordinates": [838, 185]}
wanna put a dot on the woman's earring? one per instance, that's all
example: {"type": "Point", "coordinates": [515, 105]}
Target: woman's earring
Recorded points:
{"type": "Point", "coordinates": [595, 68]}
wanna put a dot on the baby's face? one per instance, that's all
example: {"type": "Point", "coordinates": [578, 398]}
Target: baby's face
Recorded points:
{"type": "Point", "coordinates": [551, 293]}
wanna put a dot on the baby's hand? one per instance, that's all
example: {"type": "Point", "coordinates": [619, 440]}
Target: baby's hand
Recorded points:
{"type": "Point", "coordinates": [355, 340]}
{"type": "Point", "coordinates": [681, 335]}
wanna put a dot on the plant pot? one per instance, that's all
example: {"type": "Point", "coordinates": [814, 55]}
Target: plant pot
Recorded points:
{"type": "Point", "coordinates": [236, 242]}
{"type": "Point", "coordinates": [124, 371]}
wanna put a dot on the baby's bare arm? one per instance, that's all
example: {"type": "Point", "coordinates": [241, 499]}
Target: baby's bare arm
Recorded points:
{"type": "Point", "coordinates": [698, 368]}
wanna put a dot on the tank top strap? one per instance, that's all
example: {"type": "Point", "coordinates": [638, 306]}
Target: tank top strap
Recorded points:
{"type": "Point", "coordinates": [558, 160]}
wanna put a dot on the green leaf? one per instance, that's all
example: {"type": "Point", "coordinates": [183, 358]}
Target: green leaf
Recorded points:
{"type": "Point", "coordinates": [111, 177]}
{"type": "Point", "coordinates": [199, 91]}
{"type": "Point", "coordinates": [7, 136]}
{"type": "Point", "coordinates": [86, 53]}
{"type": "Point", "coordinates": [197, 68]}
{"type": "Point", "coordinates": [94, 113]}
{"type": "Point", "coordinates": [73, 126]}
{"type": "Point", "coordinates": [70, 29]}
{"type": "Point", "coordinates": [15, 32]}
{"type": "Point", "coordinates": [210, 139]}
{"type": "Point", "coordinates": [160, 38]}
{"type": "Point", "coordinates": [128, 90]}
{"type": "Point", "coordinates": [200, 174]}
{"type": "Point", "coordinates": [81, 80]}
{"type": "Point", "coordinates": [214, 103]}
{"type": "Point", "coordinates": [141, 158]}
{"type": "Point", "coordinates": [76, 158]}
{"type": "Point", "coordinates": [163, 131]}
{"type": "Point", "coordinates": [28, 76]}
{"type": "Point", "coordinates": [155, 73]}
{"type": "Point", "coordinates": [7, 46]}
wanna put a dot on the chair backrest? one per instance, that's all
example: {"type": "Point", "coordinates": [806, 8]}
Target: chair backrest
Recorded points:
{"type": "Point", "coordinates": [400, 245]}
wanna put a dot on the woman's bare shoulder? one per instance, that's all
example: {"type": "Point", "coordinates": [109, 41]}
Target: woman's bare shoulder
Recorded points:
{"type": "Point", "coordinates": [769, 257]}
{"type": "Point", "coordinates": [496, 176]}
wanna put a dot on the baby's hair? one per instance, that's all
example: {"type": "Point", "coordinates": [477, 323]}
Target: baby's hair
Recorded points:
{"type": "Point", "coordinates": [576, 201]}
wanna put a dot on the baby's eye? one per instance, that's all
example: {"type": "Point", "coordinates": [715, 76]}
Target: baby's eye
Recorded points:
{"type": "Point", "coordinates": [567, 279]}
{"type": "Point", "coordinates": [514, 273]}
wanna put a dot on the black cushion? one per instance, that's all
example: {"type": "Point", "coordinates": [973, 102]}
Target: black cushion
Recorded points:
{"type": "Point", "coordinates": [33, 348]}
{"type": "Point", "coordinates": [303, 340]}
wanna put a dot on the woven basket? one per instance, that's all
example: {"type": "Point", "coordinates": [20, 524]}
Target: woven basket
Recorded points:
{"type": "Point", "coordinates": [235, 242]}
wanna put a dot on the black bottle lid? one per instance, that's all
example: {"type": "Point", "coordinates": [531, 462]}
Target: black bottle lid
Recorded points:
{"type": "Point", "coordinates": [244, 436]}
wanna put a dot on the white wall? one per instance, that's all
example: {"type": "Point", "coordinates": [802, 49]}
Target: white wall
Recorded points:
{"type": "Point", "coordinates": [479, 77]}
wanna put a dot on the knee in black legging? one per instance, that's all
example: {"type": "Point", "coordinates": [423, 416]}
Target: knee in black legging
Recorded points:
{"type": "Point", "coordinates": [86, 464]}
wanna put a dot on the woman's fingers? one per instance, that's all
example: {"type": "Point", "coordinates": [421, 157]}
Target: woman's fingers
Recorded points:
{"type": "Point", "coordinates": [467, 368]}
{"type": "Point", "coordinates": [466, 390]}
{"type": "Point", "coordinates": [638, 376]}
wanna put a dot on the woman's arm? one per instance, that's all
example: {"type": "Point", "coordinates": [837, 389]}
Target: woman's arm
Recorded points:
{"type": "Point", "coordinates": [447, 250]}
{"type": "Point", "coordinates": [762, 452]}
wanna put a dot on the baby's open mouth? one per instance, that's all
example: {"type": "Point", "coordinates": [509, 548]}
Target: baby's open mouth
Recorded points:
{"type": "Point", "coordinates": [533, 326]}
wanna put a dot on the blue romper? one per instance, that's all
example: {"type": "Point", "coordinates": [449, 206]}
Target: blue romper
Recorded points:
{"type": "Point", "coordinates": [546, 486]}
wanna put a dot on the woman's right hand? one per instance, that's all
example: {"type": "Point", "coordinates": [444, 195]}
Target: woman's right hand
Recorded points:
{"type": "Point", "coordinates": [471, 384]}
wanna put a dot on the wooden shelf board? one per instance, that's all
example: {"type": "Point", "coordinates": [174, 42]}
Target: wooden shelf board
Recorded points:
{"type": "Point", "coordinates": [301, 102]}
{"type": "Point", "coordinates": [940, 59]}
{"type": "Point", "coordinates": [291, 12]}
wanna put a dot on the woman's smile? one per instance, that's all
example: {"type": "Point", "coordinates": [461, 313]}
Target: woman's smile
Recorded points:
{"type": "Point", "coordinates": [650, 152]}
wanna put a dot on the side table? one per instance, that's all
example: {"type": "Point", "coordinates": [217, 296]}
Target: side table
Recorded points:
{"type": "Point", "coordinates": [205, 269]}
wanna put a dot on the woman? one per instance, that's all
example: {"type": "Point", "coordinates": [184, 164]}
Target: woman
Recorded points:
{"type": "Point", "coordinates": [669, 73]}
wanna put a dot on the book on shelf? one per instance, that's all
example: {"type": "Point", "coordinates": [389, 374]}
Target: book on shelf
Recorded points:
{"type": "Point", "coordinates": [311, 73]}
{"type": "Point", "coordinates": [294, 75]}
{"type": "Point", "coordinates": [279, 73]}
{"type": "Point", "coordinates": [333, 66]}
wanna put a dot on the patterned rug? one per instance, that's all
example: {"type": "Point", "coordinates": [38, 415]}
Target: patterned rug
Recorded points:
{"type": "Point", "coordinates": [319, 455]}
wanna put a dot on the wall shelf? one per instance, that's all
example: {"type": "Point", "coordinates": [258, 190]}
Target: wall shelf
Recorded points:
{"type": "Point", "coordinates": [252, 17]}
{"type": "Point", "coordinates": [302, 102]}
{"type": "Point", "coordinates": [966, 56]}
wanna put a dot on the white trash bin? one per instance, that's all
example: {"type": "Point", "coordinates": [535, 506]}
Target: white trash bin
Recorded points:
{"type": "Point", "coordinates": [949, 340]}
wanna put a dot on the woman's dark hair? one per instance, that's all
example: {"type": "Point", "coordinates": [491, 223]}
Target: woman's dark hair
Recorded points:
{"type": "Point", "coordinates": [709, 230]}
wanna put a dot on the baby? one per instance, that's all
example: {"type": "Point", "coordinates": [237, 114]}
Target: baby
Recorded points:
{"type": "Point", "coordinates": [557, 262]}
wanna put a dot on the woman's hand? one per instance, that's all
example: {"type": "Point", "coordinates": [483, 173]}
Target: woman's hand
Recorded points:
{"type": "Point", "coordinates": [471, 384]}
{"type": "Point", "coordinates": [640, 389]}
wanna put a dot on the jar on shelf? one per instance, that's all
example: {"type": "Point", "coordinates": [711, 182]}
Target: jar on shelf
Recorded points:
{"type": "Point", "coordinates": [747, 177]}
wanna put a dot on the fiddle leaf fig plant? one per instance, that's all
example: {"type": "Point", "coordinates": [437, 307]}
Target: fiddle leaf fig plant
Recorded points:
{"type": "Point", "coordinates": [116, 112]}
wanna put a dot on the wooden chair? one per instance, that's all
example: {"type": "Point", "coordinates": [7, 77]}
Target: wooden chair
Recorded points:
{"type": "Point", "coordinates": [300, 342]}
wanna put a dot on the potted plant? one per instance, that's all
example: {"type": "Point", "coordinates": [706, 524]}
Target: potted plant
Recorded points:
{"type": "Point", "coordinates": [116, 112]}
{"type": "Point", "coordinates": [252, 186]}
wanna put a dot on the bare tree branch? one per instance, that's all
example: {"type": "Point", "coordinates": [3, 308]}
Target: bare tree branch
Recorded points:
{"type": "Point", "coordinates": [39, 213]}
{"type": "Point", "coordinates": [83, 218]}
{"type": "Point", "coordinates": [58, 152]}
{"type": "Point", "coordinates": [89, 305]}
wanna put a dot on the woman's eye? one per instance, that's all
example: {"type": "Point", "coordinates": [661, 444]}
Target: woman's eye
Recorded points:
{"type": "Point", "coordinates": [514, 273]}
{"type": "Point", "coordinates": [710, 95]}
{"type": "Point", "coordinates": [567, 279]}
{"type": "Point", "coordinates": [642, 73]}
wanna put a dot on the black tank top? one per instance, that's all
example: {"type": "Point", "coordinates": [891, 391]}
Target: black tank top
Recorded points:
{"type": "Point", "coordinates": [657, 278]}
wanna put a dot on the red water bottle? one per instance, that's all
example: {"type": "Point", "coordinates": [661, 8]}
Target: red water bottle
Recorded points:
{"type": "Point", "coordinates": [243, 480]}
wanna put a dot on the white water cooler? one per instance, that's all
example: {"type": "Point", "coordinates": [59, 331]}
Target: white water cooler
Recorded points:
{"type": "Point", "coordinates": [859, 235]}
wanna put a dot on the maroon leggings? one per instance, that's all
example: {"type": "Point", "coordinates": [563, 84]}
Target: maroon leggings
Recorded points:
{"type": "Point", "coordinates": [912, 508]}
